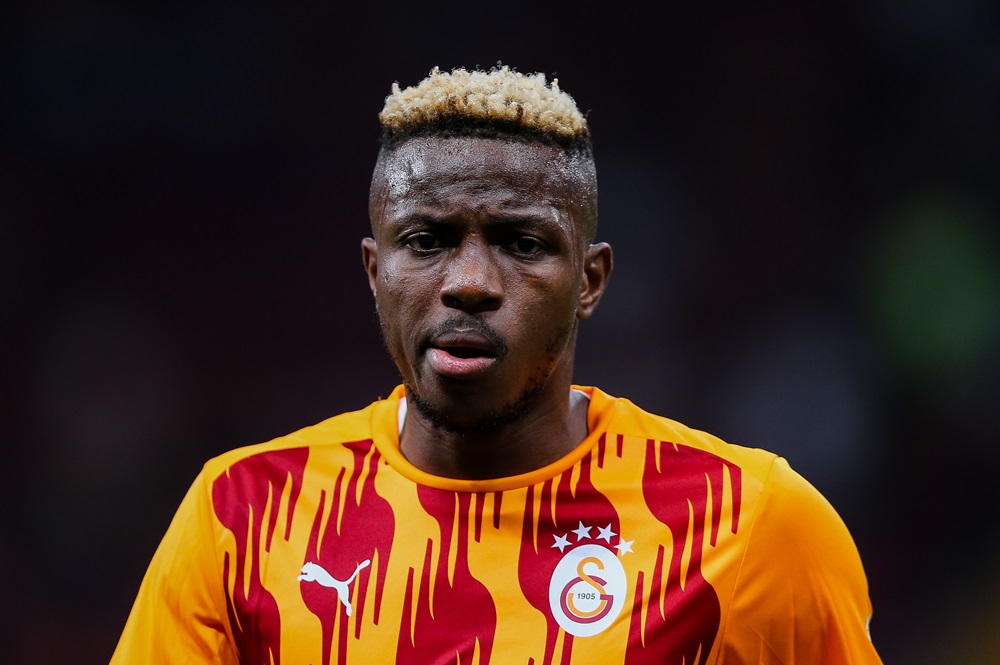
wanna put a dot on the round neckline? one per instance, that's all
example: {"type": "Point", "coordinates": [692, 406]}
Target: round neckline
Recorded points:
{"type": "Point", "coordinates": [385, 434]}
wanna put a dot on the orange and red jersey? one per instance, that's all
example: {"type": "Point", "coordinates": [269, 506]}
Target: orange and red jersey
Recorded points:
{"type": "Point", "coordinates": [649, 543]}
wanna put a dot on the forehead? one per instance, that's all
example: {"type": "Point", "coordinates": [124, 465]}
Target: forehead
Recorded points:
{"type": "Point", "coordinates": [431, 171]}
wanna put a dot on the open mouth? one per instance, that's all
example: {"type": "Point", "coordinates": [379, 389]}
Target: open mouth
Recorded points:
{"type": "Point", "coordinates": [460, 361]}
{"type": "Point", "coordinates": [466, 352]}
{"type": "Point", "coordinates": [457, 351]}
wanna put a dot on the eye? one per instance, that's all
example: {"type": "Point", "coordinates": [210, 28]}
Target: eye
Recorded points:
{"type": "Point", "coordinates": [423, 242]}
{"type": "Point", "coordinates": [528, 246]}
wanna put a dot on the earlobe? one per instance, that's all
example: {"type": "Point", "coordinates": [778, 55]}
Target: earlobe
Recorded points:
{"type": "Point", "coordinates": [597, 263]}
{"type": "Point", "coordinates": [369, 254]}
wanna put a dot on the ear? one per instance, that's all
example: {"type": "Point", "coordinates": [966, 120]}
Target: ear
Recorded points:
{"type": "Point", "coordinates": [596, 273]}
{"type": "Point", "coordinates": [369, 254]}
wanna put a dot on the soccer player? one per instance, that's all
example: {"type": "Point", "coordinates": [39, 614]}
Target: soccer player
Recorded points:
{"type": "Point", "coordinates": [490, 511]}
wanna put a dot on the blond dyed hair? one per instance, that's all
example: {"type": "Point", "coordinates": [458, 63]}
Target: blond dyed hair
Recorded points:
{"type": "Point", "coordinates": [498, 102]}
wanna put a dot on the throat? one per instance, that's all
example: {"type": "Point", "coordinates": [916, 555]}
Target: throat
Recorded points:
{"type": "Point", "coordinates": [492, 450]}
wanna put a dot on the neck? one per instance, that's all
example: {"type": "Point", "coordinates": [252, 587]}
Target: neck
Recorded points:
{"type": "Point", "coordinates": [547, 432]}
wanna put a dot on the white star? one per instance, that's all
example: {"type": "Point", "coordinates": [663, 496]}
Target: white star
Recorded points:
{"type": "Point", "coordinates": [606, 533]}
{"type": "Point", "coordinates": [582, 532]}
{"type": "Point", "coordinates": [624, 546]}
{"type": "Point", "coordinates": [562, 542]}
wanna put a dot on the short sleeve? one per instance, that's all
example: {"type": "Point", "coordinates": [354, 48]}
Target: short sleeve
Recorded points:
{"type": "Point", "coordinates": [179, 615]}
{"type": "Point", "coordinates": [801, 595]}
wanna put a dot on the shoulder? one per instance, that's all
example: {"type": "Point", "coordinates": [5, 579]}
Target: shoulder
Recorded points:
{"type": "Point", "coordinates": [801, 591]}
{"type": "Point", "coordinates": [339, 430]}
{"type": "Point", "coordinates": [797, 590]}
{"type": "Point", "coordinates": [619, 417]}
{"type": "Point", "coordinates": [787, 504]}
{"type": "Point", "coordinates": [796, 521]}
{"type": "Point", "coordinates": [788, 519]}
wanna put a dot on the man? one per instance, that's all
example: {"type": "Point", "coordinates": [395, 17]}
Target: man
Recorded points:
{"type": "Point", "coordinates": [489, 511]}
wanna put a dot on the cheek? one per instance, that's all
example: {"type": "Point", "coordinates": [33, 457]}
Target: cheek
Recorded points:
{"type": "Point", "coordinates": [543, 309]}
{"type": "Point", "coordinates": [389, 284]}
{"type": "Point", "coordinates": [553, 292]}
{"type": "Point", "coordinates": [398, 303]}
{"type": "Point", "coordinates": [406, 283]}
{"type": "Point", "coordinates": [388, 272]}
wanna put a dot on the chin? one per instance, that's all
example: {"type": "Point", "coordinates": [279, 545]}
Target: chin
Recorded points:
{"type": "Point", "coordinates": [443, 417]}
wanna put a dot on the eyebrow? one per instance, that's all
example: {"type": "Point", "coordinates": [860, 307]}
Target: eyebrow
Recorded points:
{"type": "Point", "coordinates": [514, 220]}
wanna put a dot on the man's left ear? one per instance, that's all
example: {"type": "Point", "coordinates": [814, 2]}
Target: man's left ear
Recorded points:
{"type": "Point", "coordinates": [596, 273]}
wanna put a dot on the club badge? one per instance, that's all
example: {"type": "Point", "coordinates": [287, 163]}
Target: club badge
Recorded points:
{"type": "Point", "coordinates": [588, 587]}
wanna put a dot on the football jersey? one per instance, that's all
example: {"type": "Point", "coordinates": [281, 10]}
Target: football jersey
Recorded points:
{"type": "Point", "coordinates": [649, 543]}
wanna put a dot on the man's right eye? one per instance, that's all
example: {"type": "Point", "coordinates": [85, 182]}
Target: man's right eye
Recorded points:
{"type": "Point", "coordinates": [423, 242]}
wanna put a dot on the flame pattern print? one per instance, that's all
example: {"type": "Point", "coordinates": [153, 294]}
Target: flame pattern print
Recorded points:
{"type": "Point", "coordinates": [449, 595]}
{"type": "Point", "coordinates": [352, 524]}
{"type": "Point", "coordinates": [683, 486]}
{"type": "Point", "coordinates": [551, 509]}
{"type": "Point", "coordinates": [247, 504]}
{"type": "Point", "coordinates": [331, 549]}
{"type": "Point", "coordinates": [472, 577]}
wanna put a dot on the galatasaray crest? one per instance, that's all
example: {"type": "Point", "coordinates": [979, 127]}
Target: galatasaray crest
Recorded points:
{"type": "Point", "coordinates": [588, 587]}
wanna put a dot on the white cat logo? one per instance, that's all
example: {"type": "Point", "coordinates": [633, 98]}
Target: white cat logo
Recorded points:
{"type": "Point", "coordinates": [313, 572]}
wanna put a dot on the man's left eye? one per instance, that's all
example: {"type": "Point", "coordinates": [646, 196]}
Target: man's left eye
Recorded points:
{"type": "Point", "coordinates": [528, 245]}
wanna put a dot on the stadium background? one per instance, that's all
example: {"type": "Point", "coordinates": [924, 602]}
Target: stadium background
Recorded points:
{"type": "Point", "coordinates": [802, 200]}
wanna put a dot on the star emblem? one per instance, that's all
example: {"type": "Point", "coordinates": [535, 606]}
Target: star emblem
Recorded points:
{"type": "Point", "coordinates": [562, 542]}
{"type": "Point", "coordinates": [582, 532]}
{"type": "Point", "coordinates": [624, 547]}
{"type": "Point", "coordinates": [606, 533]}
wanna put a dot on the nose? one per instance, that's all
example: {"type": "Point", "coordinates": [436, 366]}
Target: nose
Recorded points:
{"type": "Point", "coordinates": [472, 281]}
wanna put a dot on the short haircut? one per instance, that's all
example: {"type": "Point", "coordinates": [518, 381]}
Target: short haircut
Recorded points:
{"type": "Point", "coordinates": [498, 103]}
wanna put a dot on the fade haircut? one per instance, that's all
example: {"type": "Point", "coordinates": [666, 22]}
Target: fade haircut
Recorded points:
{"type": "Point", "coordinates": [499, 103]}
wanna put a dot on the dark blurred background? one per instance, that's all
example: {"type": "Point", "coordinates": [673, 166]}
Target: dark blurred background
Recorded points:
{"type": "Point", "coordinates": [803, 203]}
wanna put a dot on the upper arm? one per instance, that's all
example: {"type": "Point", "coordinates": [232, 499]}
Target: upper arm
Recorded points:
{"type": "Point", "coordinates": [179, 615]}
{"type": "Point", "coordinates": [801, 595]}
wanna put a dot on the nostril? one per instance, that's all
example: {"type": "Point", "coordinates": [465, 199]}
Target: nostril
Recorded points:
{"type": "Point", "coordinates": [470, 293]}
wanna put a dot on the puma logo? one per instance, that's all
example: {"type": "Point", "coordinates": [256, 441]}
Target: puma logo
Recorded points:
{"type": "Point", "coordinates": [313, 572]}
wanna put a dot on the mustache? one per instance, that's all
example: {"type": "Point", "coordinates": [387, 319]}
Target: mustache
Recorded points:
{"type": "Point", "coordinates": [463, 324]}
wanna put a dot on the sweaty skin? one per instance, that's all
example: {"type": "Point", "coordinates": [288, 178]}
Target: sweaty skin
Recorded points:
{"type": "Point", "coordinates": [481, 268]}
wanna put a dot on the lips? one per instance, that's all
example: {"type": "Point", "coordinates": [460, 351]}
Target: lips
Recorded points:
{"type": "Point", "coordinates": [462, 354]}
